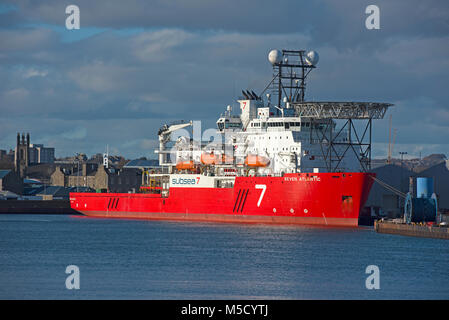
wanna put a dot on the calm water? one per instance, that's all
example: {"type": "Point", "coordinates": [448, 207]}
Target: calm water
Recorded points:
{"type": "Point", "coordinates": [125, 259]}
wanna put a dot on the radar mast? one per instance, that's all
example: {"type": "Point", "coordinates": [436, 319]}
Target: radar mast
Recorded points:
{"type": "Point", "coordinates": [290, 70]}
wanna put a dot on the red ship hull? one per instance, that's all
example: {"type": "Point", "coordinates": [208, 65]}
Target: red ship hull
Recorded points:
{"type": "Point", "coordinates": [333, 199]}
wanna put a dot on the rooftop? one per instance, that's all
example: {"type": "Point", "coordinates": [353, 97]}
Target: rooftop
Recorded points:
{"type": "Point", "coordinates": [141, 163]}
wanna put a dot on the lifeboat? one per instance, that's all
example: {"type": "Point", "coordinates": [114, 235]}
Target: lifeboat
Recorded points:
{"type": "Point", "coordinates": [213, 159]}
{"type": "Point", "coordinates": [209, 158]}
{"type": "Point", "coordinates": [185, 165]}
{"type": "Point", "coordinates": [256, 161]}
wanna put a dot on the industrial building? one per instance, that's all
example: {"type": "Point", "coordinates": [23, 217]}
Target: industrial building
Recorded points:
{"type": "Point", "coordinates": [440, 174]}
{"type": "Point", "coordinates": [387, 203]}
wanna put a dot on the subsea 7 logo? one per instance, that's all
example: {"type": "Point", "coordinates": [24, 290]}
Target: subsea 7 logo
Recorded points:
{"type": "Point", "coordinates": [264, 188]}
{"type": "Point", "coordinates": [197, 180]}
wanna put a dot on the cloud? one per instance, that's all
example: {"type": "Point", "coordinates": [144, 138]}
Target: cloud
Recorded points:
{"type": "Point", "coordinates": [156, 46]}
{"type": "Point", "coordinates": [34, 73]}
{"type": "Point", "coordinates": [137, 65]}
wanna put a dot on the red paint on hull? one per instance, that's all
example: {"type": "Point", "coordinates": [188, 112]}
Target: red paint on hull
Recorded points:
{"type": "Point", "coordinates": [334, 199]}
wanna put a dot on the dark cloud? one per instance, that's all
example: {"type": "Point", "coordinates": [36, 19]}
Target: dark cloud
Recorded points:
{"type": "Point", "coordinates": [333, 22]}
{"type": "Point", "coordinates": [136, 65]}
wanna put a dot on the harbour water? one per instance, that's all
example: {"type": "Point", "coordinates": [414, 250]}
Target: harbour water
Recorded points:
{"type": "Point", "coordinates": [130, 259]}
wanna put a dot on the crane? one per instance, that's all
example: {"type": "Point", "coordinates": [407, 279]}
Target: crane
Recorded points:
{"type": "Point", "coordinates": [164, 137]}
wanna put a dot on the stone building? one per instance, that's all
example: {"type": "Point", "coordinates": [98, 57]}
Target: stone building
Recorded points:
{"type": "Point", "coordinates": [7, 160]}
{"type": "Point", "coordinates": [27, 154]}
{"type": "Point", "coordinates": [97, 177]}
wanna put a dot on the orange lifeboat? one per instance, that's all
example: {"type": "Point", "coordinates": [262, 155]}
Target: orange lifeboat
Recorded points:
{"type": "Point", "coordinates": [213, 159]}
{"type": "Point", "coordinates": [256, 161]}
{"type": "Point", "coordinates": [185, 165]}
{"type": "Point", "coordinates": [209, 158]}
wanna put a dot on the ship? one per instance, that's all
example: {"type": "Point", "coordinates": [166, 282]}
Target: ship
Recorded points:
{"type": "Point", "coordinates": [280, 160]}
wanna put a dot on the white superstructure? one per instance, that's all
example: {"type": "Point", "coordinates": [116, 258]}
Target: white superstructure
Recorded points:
{"type": "Point", "coordinates": [285, 136]}
{"type": "Point", "coordinates": [292, 143]}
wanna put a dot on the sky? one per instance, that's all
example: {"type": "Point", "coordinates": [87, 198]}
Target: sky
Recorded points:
{"type": "Point", "coordinates": [135, 65]}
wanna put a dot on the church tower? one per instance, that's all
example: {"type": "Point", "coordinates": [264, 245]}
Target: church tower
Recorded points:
{"type": "Point", "coordinates": [22, 154]}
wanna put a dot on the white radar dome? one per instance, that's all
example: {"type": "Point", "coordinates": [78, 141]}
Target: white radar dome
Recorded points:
{"type": "Point", "coordinates": [312, 58]}
{"type": "Point", "coordinates": [275, 57]}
